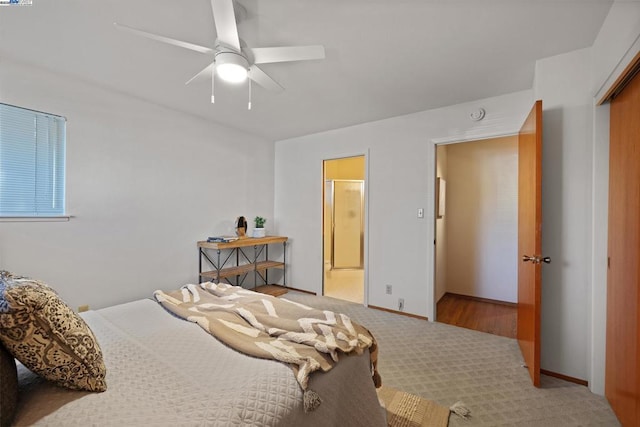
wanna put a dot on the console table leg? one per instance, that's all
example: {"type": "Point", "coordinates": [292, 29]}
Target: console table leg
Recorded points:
{"type": "Point", "coordinates": [218, 266]}
{"type": "Point", "coordinates": [199, 265]}
{"type": "Point", "coordinates": [255, 268]}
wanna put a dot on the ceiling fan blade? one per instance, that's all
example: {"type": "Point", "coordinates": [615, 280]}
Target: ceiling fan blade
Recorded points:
{"type": "Point", "coordinates": [163, 39]}
{"type": "Point", "coordinates": [260, 77]}
{"type": "Point", "coordinates": [206, 72]}
{"type": "Point", "coordinates": [225, 20]}
{"type": "Point", "coordinates": [264, 55]}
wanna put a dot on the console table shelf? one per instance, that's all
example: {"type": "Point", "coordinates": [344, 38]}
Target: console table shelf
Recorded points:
{"type": "Point", "coordinates": [245, 261]}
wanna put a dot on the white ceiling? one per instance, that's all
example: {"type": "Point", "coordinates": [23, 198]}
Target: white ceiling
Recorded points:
{"type": "Point", "coordinates": [385, 58]}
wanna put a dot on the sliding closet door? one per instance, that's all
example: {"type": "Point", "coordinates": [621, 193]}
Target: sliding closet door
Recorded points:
{"type": "Point", "coordinates": [622, 382]}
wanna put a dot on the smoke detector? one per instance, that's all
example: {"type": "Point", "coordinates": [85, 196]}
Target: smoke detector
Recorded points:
{"type": "Point", "coordinates": [477, 115]}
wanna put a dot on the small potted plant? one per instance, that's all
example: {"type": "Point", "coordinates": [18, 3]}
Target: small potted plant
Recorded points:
{"type": "Point", "coordinates": [258, 230]}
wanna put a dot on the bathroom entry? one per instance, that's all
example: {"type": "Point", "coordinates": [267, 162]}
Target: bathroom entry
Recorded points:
{"type": "Point", "coordinates": [343, 228]}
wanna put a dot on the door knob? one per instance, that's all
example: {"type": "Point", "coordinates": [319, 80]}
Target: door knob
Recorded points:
{"type": "Point", "coordinates": [536, 259]}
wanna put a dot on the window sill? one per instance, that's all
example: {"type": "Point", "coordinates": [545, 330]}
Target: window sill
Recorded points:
{"type": "Point", "coordinates": [62, 218]}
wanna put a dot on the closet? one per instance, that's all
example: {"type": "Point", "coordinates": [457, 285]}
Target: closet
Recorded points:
{"type": "Point", "coordinates": [622, 375]}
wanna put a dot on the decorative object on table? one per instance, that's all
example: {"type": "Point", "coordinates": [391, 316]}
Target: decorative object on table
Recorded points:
{"type": "Point", "coordinates": [241, 227]}
{"type": "Point", "coordinates": [258, 230]}
{"type": "Point", "coordinates": [222, 239]}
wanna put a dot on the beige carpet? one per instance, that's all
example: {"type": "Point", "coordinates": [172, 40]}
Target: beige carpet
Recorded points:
{"type": "Point", "coordinates": [409, 410]}
{"type": "Point", "coordinates": [447, 364]}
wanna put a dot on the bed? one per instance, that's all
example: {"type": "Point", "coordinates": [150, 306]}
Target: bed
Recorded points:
{"type": "Point", "coordinates": [162, 370]}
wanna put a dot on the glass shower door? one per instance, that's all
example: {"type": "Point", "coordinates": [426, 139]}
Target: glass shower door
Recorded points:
{"type": "Point", "coordinates": [347, 224]}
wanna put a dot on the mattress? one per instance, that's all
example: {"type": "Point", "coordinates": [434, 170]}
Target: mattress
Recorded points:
{"type": "Point", "coordinates": [162, 370]}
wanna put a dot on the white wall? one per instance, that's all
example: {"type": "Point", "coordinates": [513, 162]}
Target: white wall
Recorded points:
{"type": "Point", "coordinates": [564, 83]}
{"type": "Point", "coordinates": [482, 218]}
{"type": "Point", "coordinates": [575, 194]}
{"type": "Point", "coordinates": [144, 183]}
{"type": "Point", "coordinates": [401, 180]}
{"type": "Point", "coordinates": [576, 173]}
{"type": "Point", "coordinates": [616, 44]}
{"type": "Point", "coordinates": [441, 231]}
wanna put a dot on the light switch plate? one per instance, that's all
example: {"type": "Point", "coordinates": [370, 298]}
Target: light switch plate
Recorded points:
{"type": "Point", "coordinates": [420, 213]}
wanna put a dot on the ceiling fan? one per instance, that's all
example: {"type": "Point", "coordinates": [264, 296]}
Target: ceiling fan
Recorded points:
{"type": "Point", "coordinates": [232, 61]}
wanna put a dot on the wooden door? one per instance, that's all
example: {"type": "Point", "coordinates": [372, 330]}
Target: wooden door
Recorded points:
{"type": "Point", "coordinates": [530, 239]}
{"type": "Point", "coordinates": [622, 371]}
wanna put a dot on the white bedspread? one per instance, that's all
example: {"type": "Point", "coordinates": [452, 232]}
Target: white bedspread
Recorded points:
{"type": "Point", "coordinates": [165, 371]}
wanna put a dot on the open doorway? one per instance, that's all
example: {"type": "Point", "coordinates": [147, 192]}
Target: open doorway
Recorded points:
{"type": "Point", "coordinates": [476, 266]}
{"type": "Point", "coordinates": [343, 228]}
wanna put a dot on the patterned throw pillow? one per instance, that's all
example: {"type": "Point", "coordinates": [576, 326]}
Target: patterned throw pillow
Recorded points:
{"type": "Point", "coordinates": [43, 333]}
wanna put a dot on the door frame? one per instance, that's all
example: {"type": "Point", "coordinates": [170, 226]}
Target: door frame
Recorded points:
{"type": "Point", "coordinates": [431, 206]}
{"type": "Point", "coordinates": [365, 254]}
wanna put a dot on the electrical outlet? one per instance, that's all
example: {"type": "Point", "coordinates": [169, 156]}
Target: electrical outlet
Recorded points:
{"type": "Point", "coordinates": [389, 289]}
{"type": "Point", "coordinates": [83, 308]}
{"type": "Point", "coordinates": [400, 304]}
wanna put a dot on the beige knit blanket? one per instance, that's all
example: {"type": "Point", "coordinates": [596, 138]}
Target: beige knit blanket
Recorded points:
{"type": "Point", "coordinates": [273, 328]}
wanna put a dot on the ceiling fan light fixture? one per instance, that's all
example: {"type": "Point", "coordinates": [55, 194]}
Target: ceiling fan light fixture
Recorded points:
{"type": "Point", "coordinates": [232, 67]}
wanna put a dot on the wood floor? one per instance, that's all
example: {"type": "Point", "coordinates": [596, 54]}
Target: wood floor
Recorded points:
{"type": "Point", "coordinates": [480, 315]}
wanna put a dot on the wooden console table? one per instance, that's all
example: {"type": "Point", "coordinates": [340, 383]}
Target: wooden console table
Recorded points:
{"type": "Point", "coordinates": [224, 267]}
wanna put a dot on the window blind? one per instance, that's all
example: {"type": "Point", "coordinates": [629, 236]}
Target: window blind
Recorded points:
{"type": "Point", "coordinates": [32, 163]}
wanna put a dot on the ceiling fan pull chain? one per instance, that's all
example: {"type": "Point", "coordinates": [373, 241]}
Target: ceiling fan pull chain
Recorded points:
{"type": "Point", "coordinates": [213, 81]}
{"type": "Point", "coordinates": [249, 106]}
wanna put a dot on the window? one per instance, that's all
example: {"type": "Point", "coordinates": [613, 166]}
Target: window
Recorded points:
{"type": "Point", "coordinates": [32, 163]}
